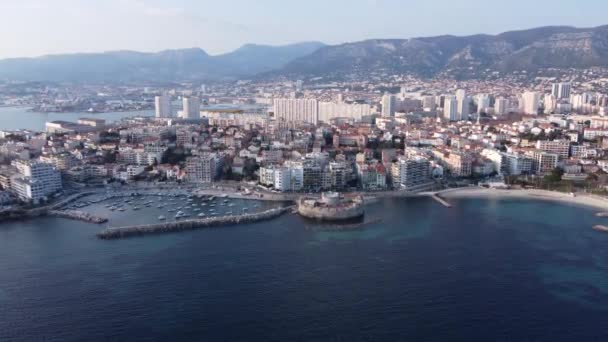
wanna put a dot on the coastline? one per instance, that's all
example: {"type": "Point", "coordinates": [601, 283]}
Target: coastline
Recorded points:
{"type": "Point", "coordinates": [586, 200]}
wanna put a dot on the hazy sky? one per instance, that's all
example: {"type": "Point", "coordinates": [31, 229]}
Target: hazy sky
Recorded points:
{"type": "Point", "coordinates": [38, 27]}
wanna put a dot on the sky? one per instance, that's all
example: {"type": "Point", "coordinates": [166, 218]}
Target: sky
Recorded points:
{"type": "Point", "coordinates": [39, 27]}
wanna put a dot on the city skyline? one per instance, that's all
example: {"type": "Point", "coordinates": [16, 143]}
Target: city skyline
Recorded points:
{"type": "Point", "coordinates": [217, 28]}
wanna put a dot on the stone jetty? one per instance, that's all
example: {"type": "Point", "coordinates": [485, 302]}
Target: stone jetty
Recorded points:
{"type": "Point", "coordinates": [192, 224]}
{"type": "Point", "coordinates": [77, 215]}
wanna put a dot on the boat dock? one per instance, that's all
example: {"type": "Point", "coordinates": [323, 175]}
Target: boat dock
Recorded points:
{"type": "Point", "coordinates": [186, 225]}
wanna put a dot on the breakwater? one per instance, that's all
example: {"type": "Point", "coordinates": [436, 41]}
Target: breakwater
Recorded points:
{"type": "Point", "coordinates": [186, 225]}
{"type": "Point", "coordinates": [77, 215]}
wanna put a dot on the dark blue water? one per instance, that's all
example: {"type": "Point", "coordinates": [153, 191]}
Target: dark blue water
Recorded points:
{"type": "Point", "coordinates": [483, 270]}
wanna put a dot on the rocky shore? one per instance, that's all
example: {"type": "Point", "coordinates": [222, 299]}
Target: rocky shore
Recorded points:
{"type": "Point", "coordinates": [186, 225]}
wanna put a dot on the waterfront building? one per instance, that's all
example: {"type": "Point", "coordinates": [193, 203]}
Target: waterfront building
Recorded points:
{"type": "Point", "coordinates": [411, 173]}
{"type": "Point", "coordinates": [35, 180]}
{"type": "Point", "coordinates": [289, 178]}
{"type": "Point", "coordinates": [372, 175]}
{"type": "Point", "coordinates": [460, 164]}
{"type": "Point", "coordinates": [509, 164]}
{"type": "Point", "coordinates": [544, 162]}
{"type": "Point", "coordinates": [340, 174]}
{"type": "Point", "coordinates": [203, 169]}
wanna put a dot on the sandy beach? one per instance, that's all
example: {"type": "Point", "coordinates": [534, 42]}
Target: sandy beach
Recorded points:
{"type": "Point", "coordinates": [588, 200]}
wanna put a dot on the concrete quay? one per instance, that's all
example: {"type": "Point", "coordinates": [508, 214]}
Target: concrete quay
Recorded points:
{"type": "Point", "coordinates": [186, 225]}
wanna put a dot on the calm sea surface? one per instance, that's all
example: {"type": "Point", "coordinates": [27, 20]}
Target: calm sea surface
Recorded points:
{"type": "Point", "coordinates": [484, 270]}
{"type": "Point", "coordinates": [21, 118]}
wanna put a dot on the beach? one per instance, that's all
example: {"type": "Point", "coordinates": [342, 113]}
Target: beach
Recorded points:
{"type": "Point", "coordinates": [581, 199]}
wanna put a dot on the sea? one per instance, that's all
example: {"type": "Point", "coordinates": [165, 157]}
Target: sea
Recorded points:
{"type": "Point", "coordinates": [13, 118]}
{"type": "Point", "coordinates": [413, 270]}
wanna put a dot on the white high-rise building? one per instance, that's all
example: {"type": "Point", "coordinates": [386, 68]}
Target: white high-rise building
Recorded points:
{"type": "Point", "coordinates": [36, 180]}
{"type": "Point", "coordinates": [460, 94]}
{"type": "Point", "coordinates": [463, 108]}
{"type": "Point", "coordinates": [428, 103]}
{"type": "Point", "coordinates": [411, 172]}
{"type": "Point", "coordinates": [550, 103]}
{"type": "Point", "coordinates": [450, 109]}
{"type": "Point", "coordinates": [531, 102]}
{"type": "Point", "coordinates": [162, 105]}
{"type": "Point", "coordinates": [204, 168]}
{"type": "Point", "coordinates": [389, 104]}
{"type": "Point", "coordinates": [500, 106]}
{"type": "Point", "coordinates": [191, 108]}
{"type": "Point", "coordinates": [294, 111]}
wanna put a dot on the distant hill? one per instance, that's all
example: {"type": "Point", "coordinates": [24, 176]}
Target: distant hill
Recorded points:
{"type": "Point", "coordinates": [164, 66]}
{"type": "Point", "coordinates": [462, 57]}
{"type": "Point", "coordinates": [465, 57]}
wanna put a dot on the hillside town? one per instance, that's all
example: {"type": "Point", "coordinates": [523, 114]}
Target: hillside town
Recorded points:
{"type": "Point", "coordinates": [406, 135]}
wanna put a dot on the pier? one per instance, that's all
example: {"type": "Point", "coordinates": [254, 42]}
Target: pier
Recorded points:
{"type": "Point", "coordinates": [193, 224]}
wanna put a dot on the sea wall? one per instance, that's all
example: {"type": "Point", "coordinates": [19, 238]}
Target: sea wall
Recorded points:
{"type": "Point", "coordinates": [185, 225]}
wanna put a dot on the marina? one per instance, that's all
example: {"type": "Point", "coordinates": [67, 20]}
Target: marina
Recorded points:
{"type": "Point", "coordinates": [128, 208]}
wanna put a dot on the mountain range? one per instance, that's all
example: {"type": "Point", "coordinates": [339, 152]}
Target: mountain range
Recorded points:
{"type": "Point", "coordinates": [462, 57]}
{"type": "Point", "coordinates": [459, 57]}
{"type": "Point", "coordinates": [166, 66]}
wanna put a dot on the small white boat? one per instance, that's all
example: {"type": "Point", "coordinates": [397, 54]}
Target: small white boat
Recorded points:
{"type": "Point", "coordinates": [161, 218]}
